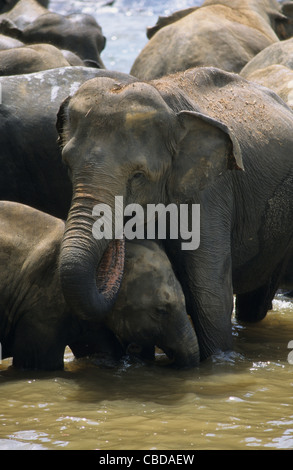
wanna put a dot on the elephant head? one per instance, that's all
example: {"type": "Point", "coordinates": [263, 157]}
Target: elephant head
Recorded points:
{"type": "Point", "coordinates": [150, 309]}
{"type": "Point", "coordinates": [126, 140]}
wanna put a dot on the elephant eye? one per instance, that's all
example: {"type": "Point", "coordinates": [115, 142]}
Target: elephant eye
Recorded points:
{"type": "Point", "coordinates": [136, 182]}
{"type": "Point", "coordinates": [138, 175]}
{"type": "Point", "coordinates": [161, 311]}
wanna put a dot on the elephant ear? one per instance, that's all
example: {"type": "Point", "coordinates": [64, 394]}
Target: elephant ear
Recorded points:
{"type": "Point", "coordinates": [61, 121]}
{"type": "Point", "coordinates": [206, 149]}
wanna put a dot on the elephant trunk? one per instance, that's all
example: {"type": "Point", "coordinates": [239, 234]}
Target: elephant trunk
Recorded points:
{"type": "Point", "coordinates": [183, 348]}
{"type": "Point", "coordinates": [90, 270]}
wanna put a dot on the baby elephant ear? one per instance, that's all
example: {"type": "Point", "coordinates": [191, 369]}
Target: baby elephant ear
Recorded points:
{"type": "Point", "coordinates": [206, 149]}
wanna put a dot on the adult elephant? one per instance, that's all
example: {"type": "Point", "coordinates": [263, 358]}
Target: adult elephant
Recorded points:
{"type": "Point", "coordinates": [32, 23]}
{"type": "Point", "coordinates": [36, 324]}
{"type": "Point", "coordinates": [29, 59]}
{"type": "Point", "coordinates": [184, 139]}
{"type": "Point", "coordinates": [220, 33]}
{"type": "Point", "coordinates": [31, 168]}
{"type": "Point", "coordinates": [273, 68]}
{"type": "Point", "coordinates": [283, 25]}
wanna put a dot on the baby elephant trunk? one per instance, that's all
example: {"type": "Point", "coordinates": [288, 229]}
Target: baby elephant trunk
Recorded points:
{"type": "Point", "coordinates": [182, 345]}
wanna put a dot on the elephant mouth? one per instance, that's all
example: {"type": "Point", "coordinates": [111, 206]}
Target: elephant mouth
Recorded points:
{"type": "Point", "coordinates": [110, 270]}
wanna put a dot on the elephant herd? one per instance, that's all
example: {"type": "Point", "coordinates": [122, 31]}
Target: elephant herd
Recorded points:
{"type": "Point", "coordinates": [204, 118]}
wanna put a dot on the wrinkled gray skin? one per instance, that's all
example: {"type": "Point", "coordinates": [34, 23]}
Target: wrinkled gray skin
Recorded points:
{"type": "Point", "coordinates": [29, 59]}
{"type": "Point", "coordinates": [273, 68]}
{"type": "Point", "coordinates": [204, 136]}
{"type": "Point", "coordinates": [221, 33]}
{"type": "Point", "coordinates": [32, 23]}
{"type": "Point", "coordinates": [32, 171]}
{"type": "Point", "coordinates": [36, 324]}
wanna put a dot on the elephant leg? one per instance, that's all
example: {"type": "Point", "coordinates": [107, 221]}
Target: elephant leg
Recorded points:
{"type": "Point", "coordinates": [207, 285]}
{"type": "Point", "coordinates": [37, 348]}
{"type": "Point", "coordinates": [211, 312]}
{"type": "Point", "coordinates": [253, 306]}
{"type": "Point", "coordinates": [96, 339]}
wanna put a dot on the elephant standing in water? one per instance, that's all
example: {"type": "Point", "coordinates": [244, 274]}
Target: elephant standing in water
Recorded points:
{"type": "Point", "coordinates": [204, 137]}
{"type": "Point", "coordinates": [36, 324]}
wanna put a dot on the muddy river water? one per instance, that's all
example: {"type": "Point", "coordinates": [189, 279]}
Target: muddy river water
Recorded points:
{"type": "Point", "coordinates": [240, 400]}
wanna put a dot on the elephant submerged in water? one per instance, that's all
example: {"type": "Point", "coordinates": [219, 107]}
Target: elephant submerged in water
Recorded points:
{"type": "Point", "coordinates": [36, 324]}
{"type": "Point", "coordinates": [204, 137]}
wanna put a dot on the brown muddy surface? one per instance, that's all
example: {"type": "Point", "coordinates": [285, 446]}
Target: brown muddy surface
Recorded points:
{"type": "Point", "coordinates": [240, 400]}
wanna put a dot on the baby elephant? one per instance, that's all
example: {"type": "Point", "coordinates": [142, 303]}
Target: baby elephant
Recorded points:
{"type": "Point", "coordinates": [36, 324]}
{"type": "Point", "coordinates": [150, 308]}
